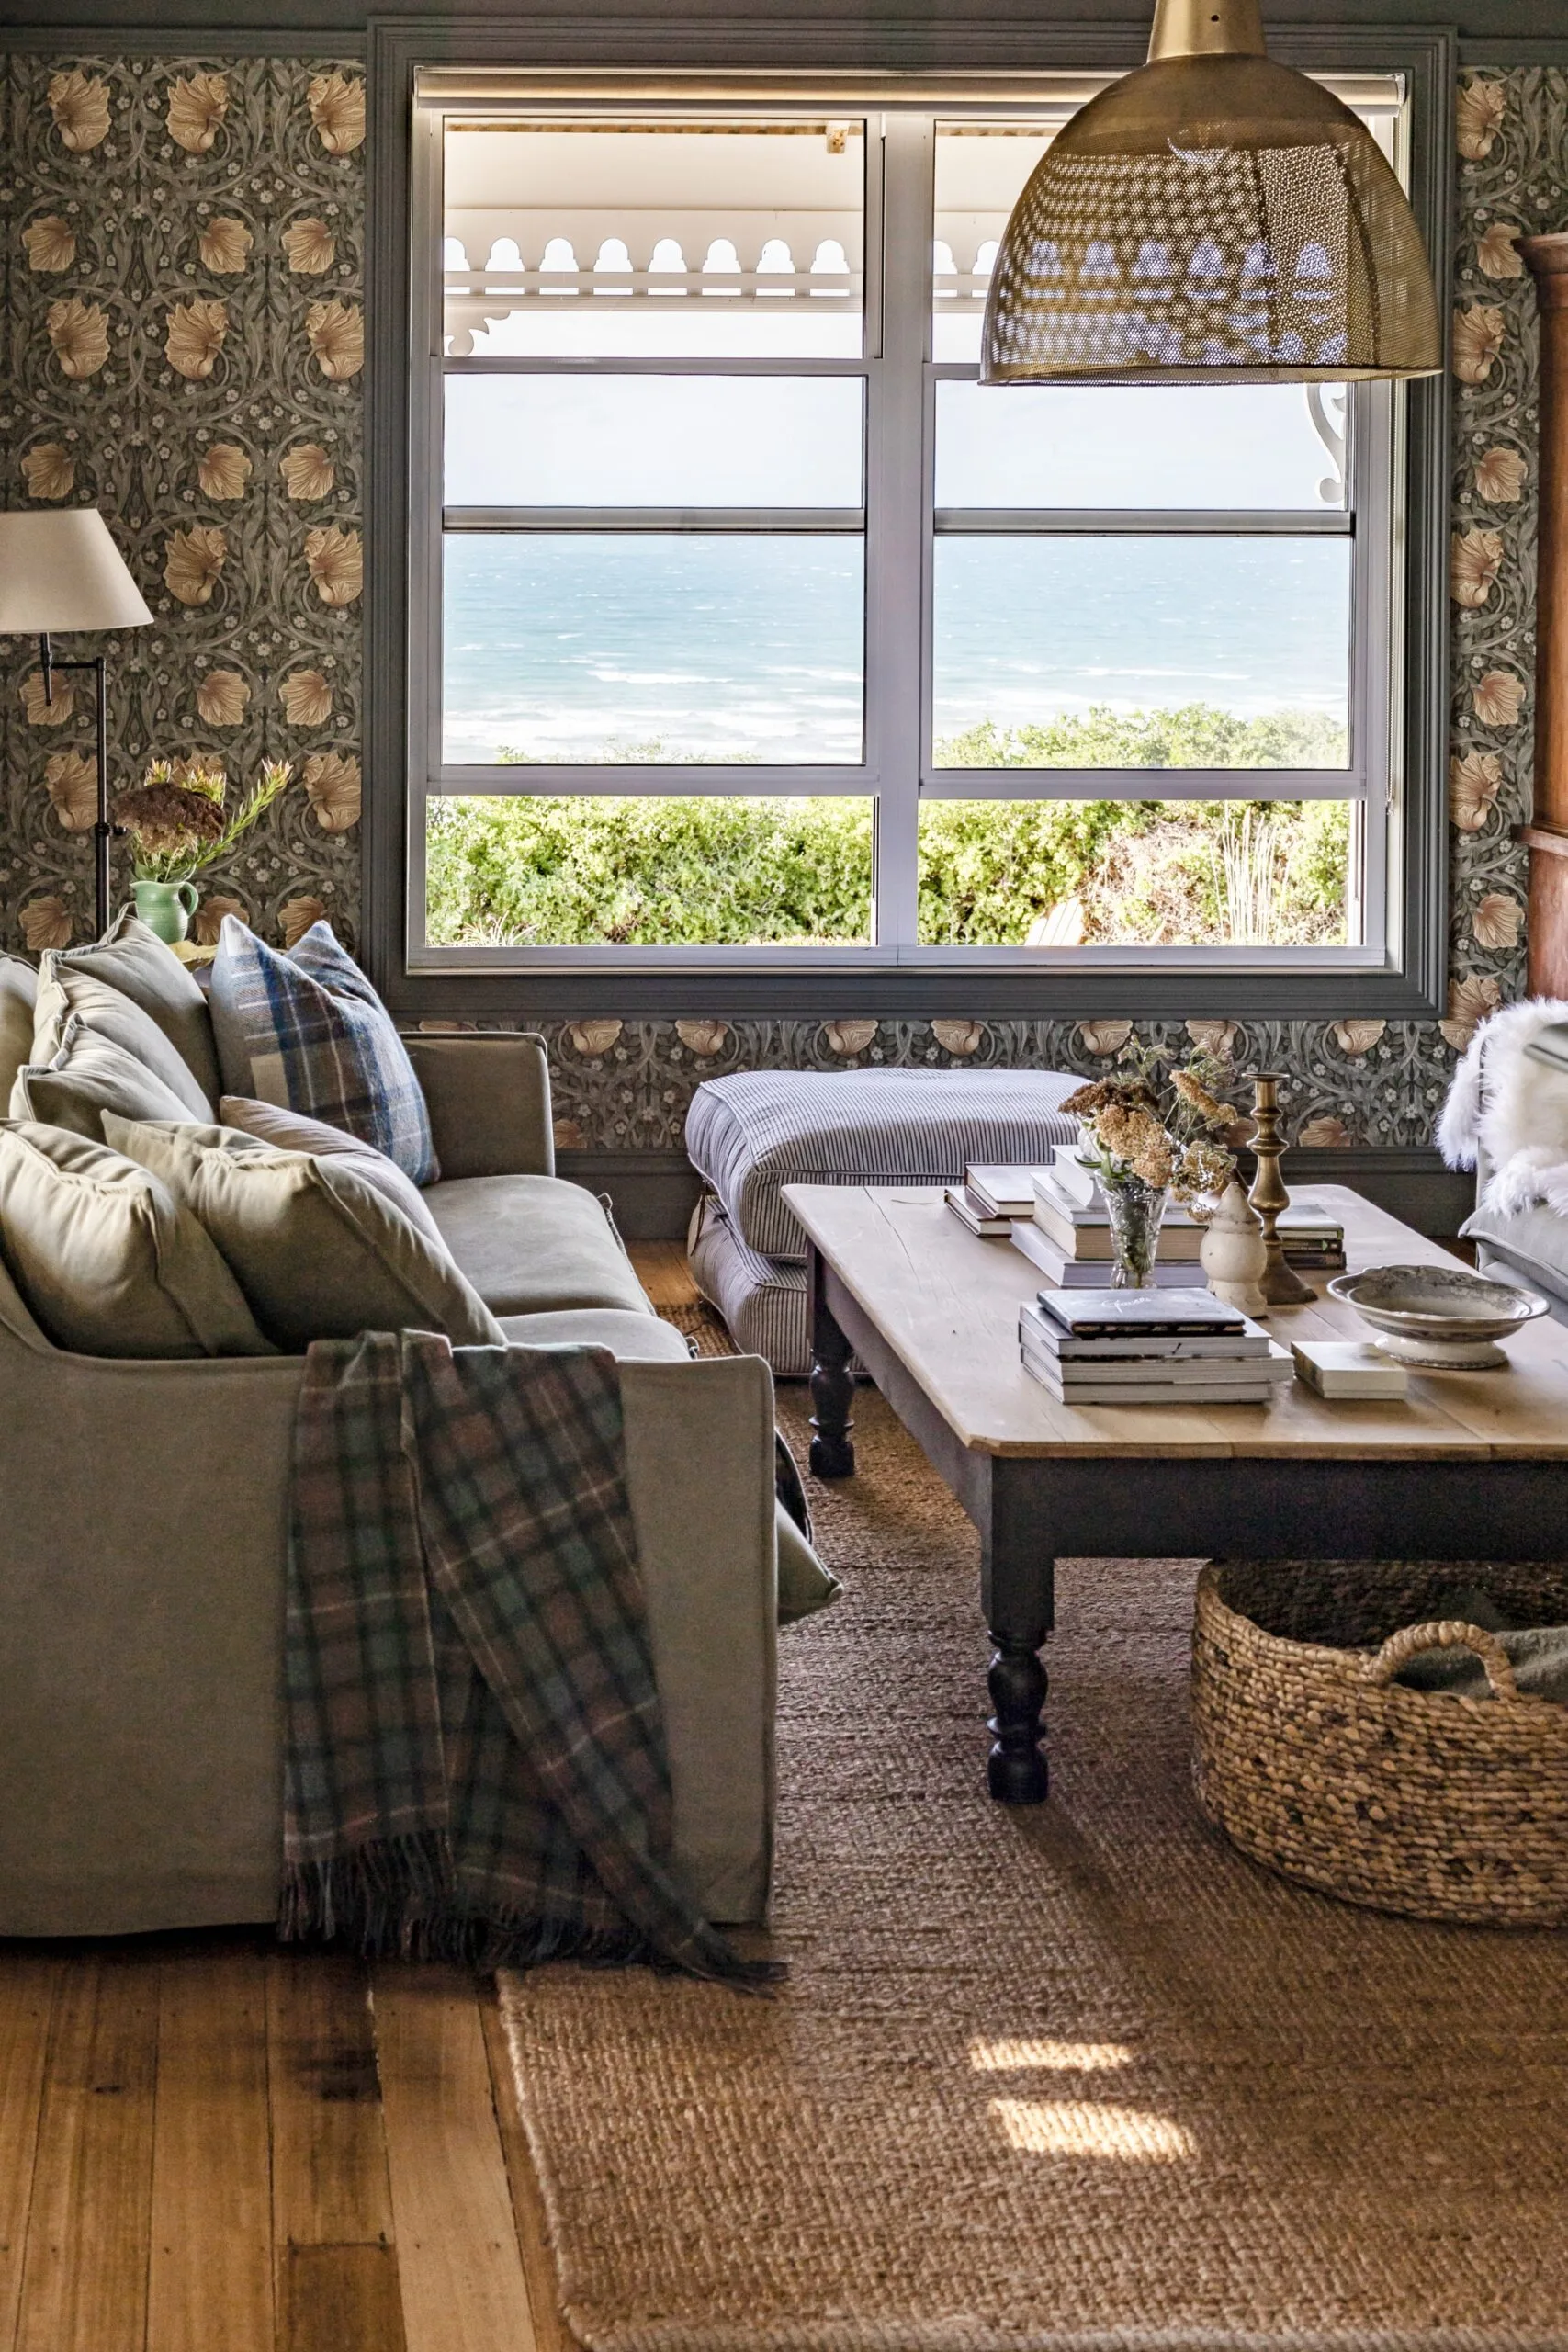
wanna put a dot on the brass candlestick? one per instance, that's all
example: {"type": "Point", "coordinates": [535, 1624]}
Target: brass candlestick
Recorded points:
{"type": "Point", "coordinates": [1280, 1284]}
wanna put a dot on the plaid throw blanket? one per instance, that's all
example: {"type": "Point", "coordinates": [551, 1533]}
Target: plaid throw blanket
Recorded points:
{"type": "Point", "coordinates": [475, 1752]}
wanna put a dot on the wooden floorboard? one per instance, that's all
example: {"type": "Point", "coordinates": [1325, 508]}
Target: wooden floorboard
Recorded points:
{"type": "Point", "coordinates": [210, 2277]}
{"type": "Point", "coordinates": [28, 1980]}
{"type": "Point", "coordinates": [329, 2153]}
{"type": "Point", "coordinates": [664, 1273]}
{"type": "Point", "coordinates": [339, 2298]}
{"type": "Point", "coordinates": [459, 2259]}
{"type": "Point", "coordinates": [84, 2264]}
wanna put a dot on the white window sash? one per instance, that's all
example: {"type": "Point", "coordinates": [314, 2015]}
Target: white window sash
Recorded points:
{"type": "Point", "coordinates": [901, 526]}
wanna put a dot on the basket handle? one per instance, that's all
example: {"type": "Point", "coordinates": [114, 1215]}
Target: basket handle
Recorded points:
{"type": "Point", "coordinates": [1446, 1634]}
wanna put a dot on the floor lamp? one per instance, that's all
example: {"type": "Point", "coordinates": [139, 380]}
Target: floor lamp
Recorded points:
{"type": "Point", "coordinates": [60, 570]}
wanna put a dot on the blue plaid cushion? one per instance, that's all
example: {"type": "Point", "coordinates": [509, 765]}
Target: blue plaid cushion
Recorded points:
{"type": "Point", "coordinates": [306, 1031]}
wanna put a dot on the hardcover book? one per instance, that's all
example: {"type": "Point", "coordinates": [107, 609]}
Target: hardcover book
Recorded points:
{"type": "Point", "coordinates": [1041, 1332]}
{"type": "Point", "coordinates": [1094, 1313]}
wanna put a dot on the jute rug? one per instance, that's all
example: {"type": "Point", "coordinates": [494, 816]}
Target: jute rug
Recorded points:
{"type": "Point", "coordinates": [1074, 2076]}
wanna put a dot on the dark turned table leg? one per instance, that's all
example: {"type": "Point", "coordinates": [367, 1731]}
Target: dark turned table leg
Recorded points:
{"type": "Point", "coordinates": [832, 1384]}
{"type": "Point", "coordinates": [1015, 1768]}
{"type": "Point", "coordinates": [1017, 1584]}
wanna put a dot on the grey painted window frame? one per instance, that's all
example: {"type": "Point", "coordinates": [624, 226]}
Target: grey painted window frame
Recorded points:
{"type": "Point", "coordinates": [1410, 982]}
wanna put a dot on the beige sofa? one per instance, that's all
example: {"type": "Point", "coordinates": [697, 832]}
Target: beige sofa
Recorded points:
{"type": "Point", "coordinates": [142, 1551]}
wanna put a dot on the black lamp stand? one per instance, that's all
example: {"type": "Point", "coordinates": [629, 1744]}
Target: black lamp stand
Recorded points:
{"type": "Point", "coordinates": [102, 832]}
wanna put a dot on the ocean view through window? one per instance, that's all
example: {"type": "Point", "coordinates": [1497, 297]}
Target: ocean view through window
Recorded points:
{"type": "Point", "coordinates": [748, 627]}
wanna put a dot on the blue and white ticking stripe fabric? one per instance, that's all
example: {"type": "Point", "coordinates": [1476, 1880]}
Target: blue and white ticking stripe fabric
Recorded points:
{"type": "Point", "coordinates": [751, 1134]}
{"type": "Point", "coordinates": [307, 1032]}
{"type": "Point", "coordinates": [762, 1300]}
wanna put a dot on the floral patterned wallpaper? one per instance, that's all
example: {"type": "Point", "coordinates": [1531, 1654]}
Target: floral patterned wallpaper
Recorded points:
{"type": "Point", "coordinates": [184, 345]}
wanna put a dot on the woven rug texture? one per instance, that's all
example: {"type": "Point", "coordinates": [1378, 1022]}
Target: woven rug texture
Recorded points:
{"type": "Point", "coordinates": [1077, 2076]}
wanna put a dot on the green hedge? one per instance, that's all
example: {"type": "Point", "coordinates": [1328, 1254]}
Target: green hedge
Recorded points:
{"type": "Point", "coordinates": [554, 869]}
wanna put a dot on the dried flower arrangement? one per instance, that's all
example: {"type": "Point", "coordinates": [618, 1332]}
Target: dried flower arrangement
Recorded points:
{"type": "Point", "coordinates": [174, 816]}
{"type": "Point", "coordinates": [1172, 1140]}
{"type": "Point", "coordinates": [1149, 1141]}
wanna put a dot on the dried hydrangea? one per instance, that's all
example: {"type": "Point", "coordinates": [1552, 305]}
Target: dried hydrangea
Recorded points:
{"type": "Point", "coordinates": [1204, 1171]}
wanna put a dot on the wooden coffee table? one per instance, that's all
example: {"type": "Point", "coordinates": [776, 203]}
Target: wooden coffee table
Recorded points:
{"type": "Point", "coordinates": [1472, 1466]}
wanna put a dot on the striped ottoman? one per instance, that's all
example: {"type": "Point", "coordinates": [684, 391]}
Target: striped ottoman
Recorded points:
{"type": "Point", "coordinates": [749, 1136]}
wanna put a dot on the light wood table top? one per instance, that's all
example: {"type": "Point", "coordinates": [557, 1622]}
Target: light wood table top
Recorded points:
{"type": "Point", "coordinates": [947, 1303]}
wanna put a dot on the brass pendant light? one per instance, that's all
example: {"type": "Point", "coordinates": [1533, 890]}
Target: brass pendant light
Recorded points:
{"type": "Point", "coordinates": [1213, 219]}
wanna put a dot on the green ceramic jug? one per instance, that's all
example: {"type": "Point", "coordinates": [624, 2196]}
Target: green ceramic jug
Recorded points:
{"type": "Point", "coordinates": [166, 907]}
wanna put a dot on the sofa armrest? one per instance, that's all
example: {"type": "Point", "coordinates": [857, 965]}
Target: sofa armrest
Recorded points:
{"type": "Point", "coordinates": [489, 1095]}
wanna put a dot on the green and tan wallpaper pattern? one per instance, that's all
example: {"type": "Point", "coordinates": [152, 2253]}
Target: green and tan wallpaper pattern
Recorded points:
{"type": "Point", "coordinates": [182, 343]}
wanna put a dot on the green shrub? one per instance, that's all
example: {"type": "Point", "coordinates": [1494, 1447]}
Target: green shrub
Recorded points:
{"type": "Point", "coordinates": [1197, 736]}
{"type": "Point", "coordinates": [660, 870]}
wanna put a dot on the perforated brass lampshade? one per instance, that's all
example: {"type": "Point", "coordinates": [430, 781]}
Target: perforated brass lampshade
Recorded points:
{"type": "Point", "coordinates": [1213, 218]}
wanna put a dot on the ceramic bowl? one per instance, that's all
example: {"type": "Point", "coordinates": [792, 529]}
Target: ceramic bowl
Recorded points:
{"type": "Point", "coordinates": [1442, 1317]}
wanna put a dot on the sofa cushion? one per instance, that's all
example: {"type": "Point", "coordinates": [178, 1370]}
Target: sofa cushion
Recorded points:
{"type": "Point", "coordinates": [635, 1338]}
{"type": "Point", "coordinates": [1536, 1238]}
{"type": "Point", "coordinates": [89, 1075]}
{"type": "Point", "coordinates": [65, 993]}
{"type": "Point", "coordinates": [18, 995]}
{"type": "Point", "coordinates": [530, 1244]}
{"type": "Point", "coordinates": [291, 1131]}
{"type": "Point", "coordinates": [319, 1252]}
{"type": "Point", "coordinates": [307, 1031]}
{"type": "Point", "coordinates": [751, 1134]}
{"type": "Point", "coordinates": [109, 1262]}
{"type": "Point", "coordinates": [133, 960]}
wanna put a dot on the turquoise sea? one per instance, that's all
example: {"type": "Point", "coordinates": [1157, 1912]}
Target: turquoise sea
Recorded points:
{"type": "Point", "coordinates": [571, 647]}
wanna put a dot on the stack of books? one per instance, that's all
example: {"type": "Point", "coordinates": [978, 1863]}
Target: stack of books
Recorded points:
{"type": "Point", "coordinates": [991, 1200]}
{"type": "Point", "coordinates": [1176, 1347]}
{"type": "Point", "coordinates": [1313, 1236]}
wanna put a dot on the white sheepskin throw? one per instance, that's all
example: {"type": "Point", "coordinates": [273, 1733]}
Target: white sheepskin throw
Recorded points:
{"type": "Point", "coordinates": [1512, 1111]}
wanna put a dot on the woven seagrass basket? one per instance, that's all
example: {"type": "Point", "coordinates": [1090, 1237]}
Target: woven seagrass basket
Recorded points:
{"type": "Point", "coordinates": [1316, 1762]}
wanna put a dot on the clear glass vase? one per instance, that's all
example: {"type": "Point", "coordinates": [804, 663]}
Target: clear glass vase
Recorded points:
{"type": "Point", "coordinates": [1135, 1210]}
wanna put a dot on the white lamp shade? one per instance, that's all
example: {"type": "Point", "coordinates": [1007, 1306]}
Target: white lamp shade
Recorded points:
{"type": "Point", "coordinates": [63, 571]}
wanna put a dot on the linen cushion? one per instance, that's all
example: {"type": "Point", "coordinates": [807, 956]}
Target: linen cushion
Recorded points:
{"type": "Point", "coordinates": [308, 1032]}
{"type": "Point", "coordinates": [65, 993]}
{"type": "Point", "coordinates": [634, 1339]}
{"type": "Point", "coordinates": [87, 1076]}
{"type": "Point", "coordinates": [291, 1131]}
{"type": "Point", "coordinates": [18, 995]}
{"type": "Point", "coordinates": [133, 960]}
{"type": "Point", "coordinates": [109, 1262]}
{"type": "Point", "coordinates": [751, 1134]}
{"type": "Point", "coordinates": [319, 1253]}
{"type": "Point", "coordinates": [531, 1244]}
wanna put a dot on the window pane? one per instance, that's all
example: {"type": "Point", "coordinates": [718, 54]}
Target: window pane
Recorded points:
{"type": "Point", "coordinates": [1246, 445]}
{"type": "Point", "coordinates": [662, 240]}
{"type": "Point", "coordinates": [1141, 653]}
{"type": "Point", "coordinates": [980, 172]}
{"type": "Point", "coordinates": [654, 441]}
{"type": "Point", "coordinates": [634, 647]}
{"type": "Point", "coordinates": [563, 870]}
{"type": "Point", "coordinates": [1134, 872]}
